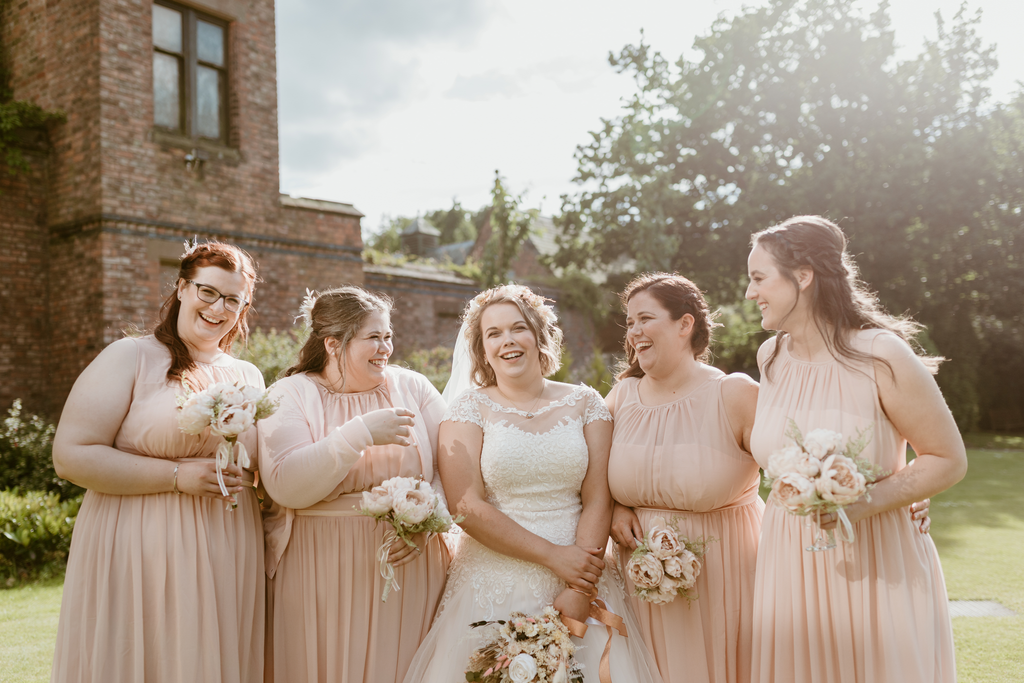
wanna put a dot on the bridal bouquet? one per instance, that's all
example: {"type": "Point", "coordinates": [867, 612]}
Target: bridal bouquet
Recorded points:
{"type": "Point", "coordinates": [411, 507]}
{"type": "Point", "coordinates": [665, 565]}
{"type": "Point", "coordinates": [525, 648]}
{"type": "Point", "coordinates": [228, 410]}
{"type": "Point", "coordinates": [819, 474]}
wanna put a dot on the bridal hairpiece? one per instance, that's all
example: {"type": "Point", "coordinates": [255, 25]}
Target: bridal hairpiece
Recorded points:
{"type": "Point", "coordinates": [190, 247]}
{"type": "Point", "coordinates": [306, 309]}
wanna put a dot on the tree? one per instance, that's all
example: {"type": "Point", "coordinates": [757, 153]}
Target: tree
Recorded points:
{"type": "Point", "coordinates": [456, 224]}
{"type": "Point", "coordinates": [801, 107]}
{"type": "Point", "coordinates": [510, 226]}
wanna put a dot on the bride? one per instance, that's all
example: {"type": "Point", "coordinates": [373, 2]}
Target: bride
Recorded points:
{"type": "Point", "coordinates": [525, 461]}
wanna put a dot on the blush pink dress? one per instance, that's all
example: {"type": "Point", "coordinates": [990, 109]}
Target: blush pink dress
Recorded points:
{"type": "Point", "coordinates": [874, 610]}
{"type": "Point", "coordinates": [164, 587]}
{"type": "Point", "coordinates": [680, 461]}
{"type": "Point", "coordinates": [326, 621]}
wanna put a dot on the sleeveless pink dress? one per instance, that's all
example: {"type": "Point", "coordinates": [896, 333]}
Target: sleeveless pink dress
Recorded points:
{"type": "Point", "coordinates": [874, 610]}
{"type": "Point", "coordinates": [164, 587]}
{"type": "Point", "coordinates": [680, 460]}
{"type": "Point", "coordinates": [326, 621]}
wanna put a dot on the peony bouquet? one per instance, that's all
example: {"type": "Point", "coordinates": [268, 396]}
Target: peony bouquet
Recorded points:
{"type": "Point", "coordinates": [228, 410]}
{"type": "Point", "coordinates": [525, 649]}
{"type": "Point", "coordinates": [819, 474]}
{"type": "Point", "coordinates": [665, 565]}
{"type": "Point", "coordinates": [411, 507]}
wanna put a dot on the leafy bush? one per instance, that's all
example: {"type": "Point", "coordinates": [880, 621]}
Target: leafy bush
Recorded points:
{"type": "Point", "coordinates": [26, 455]}
{"type": "Point", "coordinates": [435, 364]}
{"type": "Point", "coordinates": [272, 352]}
{"type": "Point", "coordinates": [35, 534]}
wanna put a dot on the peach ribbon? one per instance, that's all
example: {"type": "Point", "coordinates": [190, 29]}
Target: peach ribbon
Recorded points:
{"type": "Point", "coordinates": [599, 611]}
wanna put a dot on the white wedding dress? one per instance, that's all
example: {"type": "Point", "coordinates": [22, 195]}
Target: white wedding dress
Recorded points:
{"type": "Point", "coordinates": [533, 465]}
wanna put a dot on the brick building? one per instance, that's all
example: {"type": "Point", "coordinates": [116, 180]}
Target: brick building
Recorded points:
{"type": "Point", "coordinates": [90, 237]}
{"type": "Point", "coordinates": [171, 133]}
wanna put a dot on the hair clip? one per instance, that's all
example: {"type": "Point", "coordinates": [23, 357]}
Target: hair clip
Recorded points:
{"type": "Point", "coordinates": [306, 309]}
{"type": "Point", "coordinates": [190, 247]}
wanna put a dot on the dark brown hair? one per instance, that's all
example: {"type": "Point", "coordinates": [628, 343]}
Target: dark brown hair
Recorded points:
{"type": "Point", "coordinates": [539, 316]}
{"type": "Point", "coordinates": [218, 255]}
{"type": "Point", "coordinates": [678, 296]}
{"type": "Point", "coordinates": [337, 313]}
{"type": "Point", "coordinates": [840, 300]}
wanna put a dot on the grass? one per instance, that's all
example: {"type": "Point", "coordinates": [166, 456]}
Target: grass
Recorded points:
{"type": "Point", "coordinates": [28, 631]}
{"type": "Point", "coordinates": [978, 527]}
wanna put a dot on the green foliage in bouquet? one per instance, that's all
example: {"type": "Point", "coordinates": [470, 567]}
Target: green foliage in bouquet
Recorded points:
{"type": "Point", "coordinates": [35, 534]}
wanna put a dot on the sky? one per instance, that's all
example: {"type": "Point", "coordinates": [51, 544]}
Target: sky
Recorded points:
{"type": "Point", "coordinates": [400, 106]}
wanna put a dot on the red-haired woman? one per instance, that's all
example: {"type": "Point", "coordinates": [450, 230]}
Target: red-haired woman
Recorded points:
{"type": "Point", "coordinates": [163, 583]}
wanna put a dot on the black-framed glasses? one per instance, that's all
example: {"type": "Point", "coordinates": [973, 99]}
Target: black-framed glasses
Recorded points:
{"type": "Point", "coordinates": [211, 296]}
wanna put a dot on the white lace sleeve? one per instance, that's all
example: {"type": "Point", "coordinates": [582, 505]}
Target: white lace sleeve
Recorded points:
{"type": "Point", "coordinates": [596, 408]}
{"type": "Point", "coordinates": [465, 408]}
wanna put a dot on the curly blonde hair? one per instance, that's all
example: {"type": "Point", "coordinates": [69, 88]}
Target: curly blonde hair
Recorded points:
{"type": "Point", "coordinates": [540, 318]}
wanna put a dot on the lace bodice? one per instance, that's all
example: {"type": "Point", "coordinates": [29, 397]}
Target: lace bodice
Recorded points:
{"type": "Point", "coordinates": [533, 469]}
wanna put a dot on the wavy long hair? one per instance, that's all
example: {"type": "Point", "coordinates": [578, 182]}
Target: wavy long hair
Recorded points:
{"type": "Point", "coordinates": [840, 301]}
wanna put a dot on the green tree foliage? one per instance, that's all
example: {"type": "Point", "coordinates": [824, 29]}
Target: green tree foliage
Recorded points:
{"type": "Point", "coordinates": [455, 224]}
{"type": "Point", "coordinates": [272, 352]}
{"type": "Point", "coordinates": [26, 455]}
{"type": "Point", "coordinates": [800, 107]}
{"type": "Point", "coordinates": [510, 226]}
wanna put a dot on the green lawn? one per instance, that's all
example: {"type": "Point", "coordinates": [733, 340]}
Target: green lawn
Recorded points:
{"type": "Point", "coordinates": [978, 527]}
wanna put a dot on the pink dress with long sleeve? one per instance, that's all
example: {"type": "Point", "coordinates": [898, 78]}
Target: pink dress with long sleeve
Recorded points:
{"type": "Point", "coordinates": [680, 460]}
{"type": "Point", "coordinates": [869, 611]}
{"type": "Point", "coordinates": [326, 621]}
{"type": "Point", "coordinates": [164, 587]}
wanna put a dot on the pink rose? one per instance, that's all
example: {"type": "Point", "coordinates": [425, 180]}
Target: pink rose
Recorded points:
{"type": "Point", "coordinates": [663, 542]}
{"type": "Point", "coordinates": [793, 491]}
{"type": "Point", "coordinates": [645, 571]}
{"type": "Point", "coordinates": [840, 482]}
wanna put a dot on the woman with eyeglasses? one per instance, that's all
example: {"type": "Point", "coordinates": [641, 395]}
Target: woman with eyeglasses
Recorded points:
{"type": "Point", "coordinates": [164, 583]}
{"type": "Point", "coordinates": [347, 422]}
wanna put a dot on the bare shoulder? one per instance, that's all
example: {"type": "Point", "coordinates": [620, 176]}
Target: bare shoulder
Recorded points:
{"type": "Point", "coordinates": [765, 350]}
{"type": "Point", "coordinates": [739, 391]}
{"type": "Point", "coordinates": [612, 397]}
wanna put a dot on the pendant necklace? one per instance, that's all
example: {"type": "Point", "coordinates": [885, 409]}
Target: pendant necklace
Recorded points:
{"type": "Point", "coordinates": [529, 413]}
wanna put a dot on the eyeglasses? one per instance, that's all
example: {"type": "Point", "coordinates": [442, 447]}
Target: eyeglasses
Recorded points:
{"type": "Point", "coordinates": [211, 296]}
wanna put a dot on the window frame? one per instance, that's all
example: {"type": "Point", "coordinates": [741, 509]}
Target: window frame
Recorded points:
{"type": "Point", "coordinates": [187, 77]}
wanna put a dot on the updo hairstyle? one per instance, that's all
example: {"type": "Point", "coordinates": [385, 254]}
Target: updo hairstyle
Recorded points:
{"type": "Point", "coordinates": [678, 296]}
{"type": "Point", "coordinates": [196, 256]}
{"type": "Point", "coordinates": [840, 300]}
{"type": "Point", "coordinates": [539, 316]}
{"type": "Point", "coordinates": [337, 313]}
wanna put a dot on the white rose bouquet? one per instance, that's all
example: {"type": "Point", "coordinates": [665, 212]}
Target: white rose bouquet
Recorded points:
{"type": "Point", "coordinates": [665, 564]}
{"type": "Point", "coordinates": [524, 649]}
{"type": "Point", "coordinates": [227, 410]}
{"type": "Point", "coordinates": [819, 474]}
{"type": "Point", "coordinates": [411, 507]}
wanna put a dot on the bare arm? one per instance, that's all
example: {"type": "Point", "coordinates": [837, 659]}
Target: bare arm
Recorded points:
{"type": "Point", "coordinates": [83, 449]}
{"type": "Point", "coordinates": [912, 401]}
{"type": "Point", "coordinates": [460, 445]}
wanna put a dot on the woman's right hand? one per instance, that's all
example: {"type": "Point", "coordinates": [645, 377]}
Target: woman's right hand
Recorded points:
{"type": "Point", "coordinates": [626, 527]}
{"type": "Point", "coordinates": [580, 567]}
{"type": "Point", "coordinates": [390, 426]}
{"type": "Point", "coordinates": [200, 479]}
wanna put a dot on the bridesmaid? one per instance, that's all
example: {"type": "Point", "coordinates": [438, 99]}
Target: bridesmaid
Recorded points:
{"type": "Point", "coordinates": [680, 449]}
{"type": "Point", "coordinates": [163, 583]}
{"type": "Point", "coordinates": [347, 421]}
{"type": "Point", "coordinates": [874, 609]}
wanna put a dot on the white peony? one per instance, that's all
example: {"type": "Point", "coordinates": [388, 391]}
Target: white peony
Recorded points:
{"type": "Point", "coordinates": [232, 421]}
{"type": "Point", "coordinates": [690, 568]}
{"type": "Point", "coordinates": [412, 506]}
{"type": "Point", "coordinates": [398, 484]}
{"type": "Point", "coordinates": [840, 482]}
{"type": "Point", "coordinates": [377, 501]}
{"type": "Point", "coordinates": [793, 491]}
{"type": "Point", "coordinates": [645, 571]}
{"type": "Point", "coordinates": [523, 669]}
{"type": "Point", "coordinates": [822, 442]}
{"type": "Point", "coordinates": [807, 466]}
{"type": "Point", "coordinates": [783, 460]}
{"type": "Point", "coordinates": [663, 542]}
{"type": "Point", "coordinates": [195, 415]}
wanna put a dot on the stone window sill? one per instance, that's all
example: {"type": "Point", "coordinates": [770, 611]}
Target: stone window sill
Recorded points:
{"type": "Point", "coordinates": [213, 150]}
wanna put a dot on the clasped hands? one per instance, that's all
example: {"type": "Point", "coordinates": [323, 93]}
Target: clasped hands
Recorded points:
{"type": "Point", "coordinates": [581, 569]}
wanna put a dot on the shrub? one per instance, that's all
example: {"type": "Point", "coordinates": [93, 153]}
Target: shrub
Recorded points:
{"type": "Point", "coordinates": [435, 364]}
{"type": "Point", "coordinates": [35, 534]}
{"type": "Point", "coordinates": [272, 352]}
{"type": "Point", "coordinates": [26, 455]}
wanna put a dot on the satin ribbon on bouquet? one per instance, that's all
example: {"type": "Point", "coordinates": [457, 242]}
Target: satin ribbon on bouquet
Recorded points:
{"type": "Point", "coordinates": [600, 612]}
{"type": "Point", "coordinates": [223, 458]}
{"type": "Point", "coordinates": [387, 570]}
{"type": "Point", "coordinates": [844, 529]}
